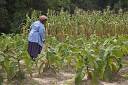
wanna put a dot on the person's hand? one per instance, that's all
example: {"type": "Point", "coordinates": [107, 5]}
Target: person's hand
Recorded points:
{"type": "Point", "coordinates": [44, 41]}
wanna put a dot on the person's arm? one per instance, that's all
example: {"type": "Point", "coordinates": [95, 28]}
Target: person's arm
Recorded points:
{"type": "Point", "coordinates": [42, 34]}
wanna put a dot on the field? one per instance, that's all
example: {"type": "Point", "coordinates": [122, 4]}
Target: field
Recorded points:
{"type": "Point", "coordinates": [86, 47]}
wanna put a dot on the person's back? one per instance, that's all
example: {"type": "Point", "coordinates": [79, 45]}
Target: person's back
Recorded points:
{"type": "Point", "coordinates": [36, 37]}
{"type": "Point", "coordinates": [37, 33]}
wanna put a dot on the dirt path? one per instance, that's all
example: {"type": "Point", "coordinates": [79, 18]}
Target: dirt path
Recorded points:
{"type": "Point", "coordinates": [68, 79]}
{"type": "Point", "coordinates": [61, 78]}
{"type": "Point", "coordinates": [65, 78]}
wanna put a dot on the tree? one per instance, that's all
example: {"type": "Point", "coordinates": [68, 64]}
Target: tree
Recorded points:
{"type": "Point", "coordinates": [4, 20]}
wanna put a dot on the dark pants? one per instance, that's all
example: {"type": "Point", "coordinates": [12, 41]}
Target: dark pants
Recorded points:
{"type": "Point", "coordinates": [34, 49]}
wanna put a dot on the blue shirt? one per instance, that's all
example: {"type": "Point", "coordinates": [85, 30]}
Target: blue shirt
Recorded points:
{"type": "Point", "coordinates": [37, 33]}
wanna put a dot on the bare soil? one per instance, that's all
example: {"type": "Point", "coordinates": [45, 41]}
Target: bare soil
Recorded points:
{"type": "Point", "coordinates": [67, 78]}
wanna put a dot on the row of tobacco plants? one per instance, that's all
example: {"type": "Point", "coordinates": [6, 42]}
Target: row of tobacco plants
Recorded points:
{"type": "Point", "coordinates": [97, 58]}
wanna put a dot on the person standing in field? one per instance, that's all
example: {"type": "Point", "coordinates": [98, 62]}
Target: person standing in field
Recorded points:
{"type": "Point", "coordinates": [36, 37]}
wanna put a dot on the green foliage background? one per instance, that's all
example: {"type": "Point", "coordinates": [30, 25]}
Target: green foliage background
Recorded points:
{"type": "Point", "coordinates": [12, 12]}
